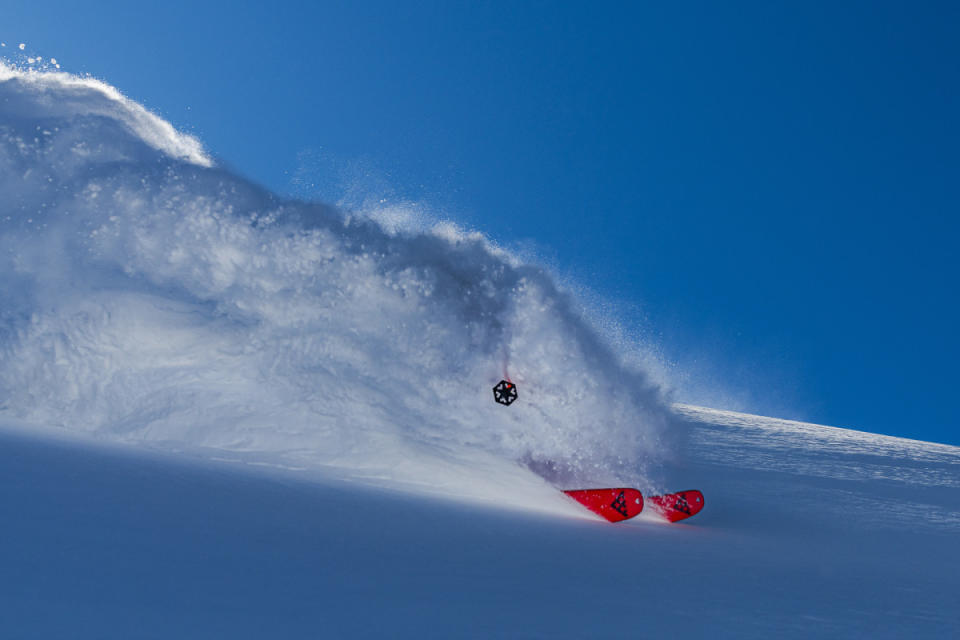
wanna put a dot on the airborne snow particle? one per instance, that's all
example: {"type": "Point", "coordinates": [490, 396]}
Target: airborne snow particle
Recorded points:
{"type": "Point", "coordinates": [22, 46]}
{"type": "Point", "coordinates": [53, 61]}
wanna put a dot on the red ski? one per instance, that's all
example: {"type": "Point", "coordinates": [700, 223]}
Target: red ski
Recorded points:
{"type": "Point", "coordinates": [613, 504]}
{"type": "Point", "coordinates": [679, 505]}
{"type": "Point", "coordinates": [622, 503]}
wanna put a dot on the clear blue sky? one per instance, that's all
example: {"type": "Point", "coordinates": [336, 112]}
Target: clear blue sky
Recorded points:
{"type": "Point", "coordinates": [774, 187]}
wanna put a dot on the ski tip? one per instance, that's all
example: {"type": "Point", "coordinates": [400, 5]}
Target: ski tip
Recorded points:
{"type": "Point", "coordinates": [677, 506]}
{"type": "Point", "coordinates": [614, 504]}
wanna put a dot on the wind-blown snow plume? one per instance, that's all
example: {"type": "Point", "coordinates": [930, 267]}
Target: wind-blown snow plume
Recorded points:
{"type": "Point", "coordinates": [153, 298]}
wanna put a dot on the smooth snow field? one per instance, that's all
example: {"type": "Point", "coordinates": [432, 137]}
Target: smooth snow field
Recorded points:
{"type": "Point", "coordinates": [807, 532]}
{"type": "Point", "coordinates": [225, 414]}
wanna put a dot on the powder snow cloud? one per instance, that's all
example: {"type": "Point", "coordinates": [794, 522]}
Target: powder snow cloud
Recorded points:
{"type": "Point", "coordinates": [151, 297]}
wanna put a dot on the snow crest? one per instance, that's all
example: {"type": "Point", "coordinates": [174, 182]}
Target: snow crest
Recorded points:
{"type": "Point", "coordinates": [150, 297]}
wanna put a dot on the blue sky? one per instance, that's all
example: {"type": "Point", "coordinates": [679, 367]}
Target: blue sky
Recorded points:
{"type": "Point", "coordinates": [768, 191]}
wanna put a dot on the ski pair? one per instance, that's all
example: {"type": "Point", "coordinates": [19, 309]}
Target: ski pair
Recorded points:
{"type": "Point", "coordinates": [623, 503]}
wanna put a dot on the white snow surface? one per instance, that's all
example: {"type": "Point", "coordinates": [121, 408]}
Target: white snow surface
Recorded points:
{"type": "Point", "coordinates": [807, 532]}
{"type": "Point", "coordinates": [225, 414]}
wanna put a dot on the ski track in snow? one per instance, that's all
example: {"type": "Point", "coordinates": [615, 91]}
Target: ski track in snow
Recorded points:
{"type": "Point", "coordinates": [863, 478]}
{"type": "Point", "coordinates": [763, 443]}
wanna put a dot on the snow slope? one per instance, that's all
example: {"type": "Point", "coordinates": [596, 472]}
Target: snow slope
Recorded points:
{"type": "Point", "coordinates": [807, 532]}
{"type": "Point", "coordinates": [224, 414]}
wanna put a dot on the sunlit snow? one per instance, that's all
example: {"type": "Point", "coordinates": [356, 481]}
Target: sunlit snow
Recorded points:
{"type": "Point", "coordinates": [157, 300]}
{"type": "Point", "coordinates": [226, 414]}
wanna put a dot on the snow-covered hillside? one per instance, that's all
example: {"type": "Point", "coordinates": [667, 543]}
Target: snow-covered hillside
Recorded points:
{"type": "Point", "coordinates": [225, 414]}
{"type": "Point", "coordinates": [807, 532]}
